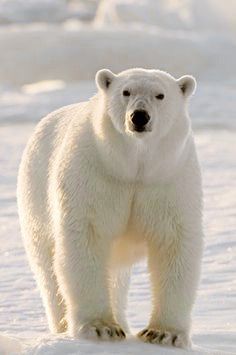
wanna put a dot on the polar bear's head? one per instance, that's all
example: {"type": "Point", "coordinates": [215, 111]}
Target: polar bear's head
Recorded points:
{"type": "Point", "coordinates": [143, 102]}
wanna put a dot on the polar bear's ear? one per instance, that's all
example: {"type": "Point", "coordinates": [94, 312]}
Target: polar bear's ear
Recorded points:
{"type": "Point", "coordinates": [187, 84]}
{"type": "Point", "coordinates": [104, 79]}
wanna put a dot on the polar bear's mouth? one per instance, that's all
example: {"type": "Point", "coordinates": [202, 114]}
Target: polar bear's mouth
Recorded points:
{"type": "Point", "coordinates": [139, 129]}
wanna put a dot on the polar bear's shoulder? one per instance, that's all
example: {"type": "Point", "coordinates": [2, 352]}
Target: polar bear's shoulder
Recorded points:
{"type": "Point", "coordinates": [62, 119]}
{"type": "Point", "coordinates": [66, 113]}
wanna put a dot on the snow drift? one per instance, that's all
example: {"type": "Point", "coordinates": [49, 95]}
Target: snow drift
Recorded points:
{"type": "Point", "coordinates": [30, 54]}
{"type": "Point", "coordinates": [185, 36]}
{"type": "Point", "coordinates": [190, 15]}
{"type": "Point", "coordinates": [28, 11]}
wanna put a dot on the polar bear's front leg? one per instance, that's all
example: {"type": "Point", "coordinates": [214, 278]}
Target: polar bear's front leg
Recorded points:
{"type": "Point", "coordinates": [120, 281]}
{"type": "Point", "coordinates": [81, 263]}
{"type": "Point", "coordinates": [175, 270]}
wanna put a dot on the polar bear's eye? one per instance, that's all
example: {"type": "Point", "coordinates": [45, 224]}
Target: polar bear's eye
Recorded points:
{"type": "Point", "coordinates": [126, 93]}
{"type": "Point", "coordinates": [160, 96]}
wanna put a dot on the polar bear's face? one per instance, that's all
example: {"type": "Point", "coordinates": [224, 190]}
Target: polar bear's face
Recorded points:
{"type": "Point", "coordinates": [144, 102]}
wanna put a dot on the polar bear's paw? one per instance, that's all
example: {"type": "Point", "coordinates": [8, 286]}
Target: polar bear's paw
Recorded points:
{"type": "Point", "coordinates": [100, 330]}
{"type": "Point", "coordinates": [157, 336]}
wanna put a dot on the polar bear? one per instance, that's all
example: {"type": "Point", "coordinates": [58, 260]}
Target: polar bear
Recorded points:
{"type": "Point", "coordinates": [104, 183]}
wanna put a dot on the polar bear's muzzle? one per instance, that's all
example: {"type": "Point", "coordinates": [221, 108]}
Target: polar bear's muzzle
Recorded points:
{"type": "Point", "coordinates": [139, 120]}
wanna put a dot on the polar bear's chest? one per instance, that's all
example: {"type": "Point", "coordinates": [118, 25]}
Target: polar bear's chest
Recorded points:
{"type": "Point", "coordinates": [110, 208]}
{"type": "Point", "coordinates": [153, 211]}
{"type": "Point", "coordinates": [119, 208]}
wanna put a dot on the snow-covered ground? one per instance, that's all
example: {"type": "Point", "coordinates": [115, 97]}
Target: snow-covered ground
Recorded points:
{"type": "Point", "coordinates": [50, 51]}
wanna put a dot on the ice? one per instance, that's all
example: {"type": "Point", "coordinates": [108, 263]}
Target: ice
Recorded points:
{"type": "Point", "coordinates": [204, 15]}
{"type": "Point", "coordinates": [51, 11]}
{"type": "Point", "coordinates": [50, 52]}
{"type": "Point", "coordinates": [31, 102]}
{"type": "Point", "coordinates": [9, 345]}
{"type": "Point", "coordinates": [35, 53]}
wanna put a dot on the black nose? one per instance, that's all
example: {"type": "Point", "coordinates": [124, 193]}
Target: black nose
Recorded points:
{"type": "Point", "coordinates": [140, 118]}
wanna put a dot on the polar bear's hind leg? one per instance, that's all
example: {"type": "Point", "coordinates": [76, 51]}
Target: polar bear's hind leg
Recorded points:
{"type": "Point", "coordinates": [40, 255]}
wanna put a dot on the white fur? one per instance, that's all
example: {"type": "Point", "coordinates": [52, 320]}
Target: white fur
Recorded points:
{"type": "Point", "coordinates": [94, 197]}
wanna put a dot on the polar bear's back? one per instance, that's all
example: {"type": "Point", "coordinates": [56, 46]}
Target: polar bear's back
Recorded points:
{"type": "Point", "coordinates": [36, 166]}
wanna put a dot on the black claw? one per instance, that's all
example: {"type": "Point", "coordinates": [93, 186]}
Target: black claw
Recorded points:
{"type": "Point", "coordinates": [117, 333]}
{"type": "Point", "coordinates": [153, 340]}
{"type": "Point", "coordinates": [156, 334]}
{"type": "Point", "coordinates": [98, 332]}
{"type": "Point", "coordinates": [174, 339]}
{"type": "Point", "coordinates": [109, 332]}
{"type": "Point", "coordinates": [143, 332]}
{"type": "Point", "coordinates": [150, 333]}
{"type": "Point", "coordinates": [123, 333]}
{"type": "Point", "coordinates": [162, 336]}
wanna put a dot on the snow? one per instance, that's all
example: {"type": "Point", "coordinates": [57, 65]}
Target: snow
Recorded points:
{"type": "Point", "coordinates": [42, 51]}
{"type": "Point", "coordinates": [50, 51]}
{"type": "Point", "coordinates": [9, 345]}
{"type": "Point", "coordinates": [189, 15]}
{"type": "Point", "coordinates": [28, 11]}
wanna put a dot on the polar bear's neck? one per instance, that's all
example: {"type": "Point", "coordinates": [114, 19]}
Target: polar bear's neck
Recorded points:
{"type": "Point", "coordinates": [141, 160]}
